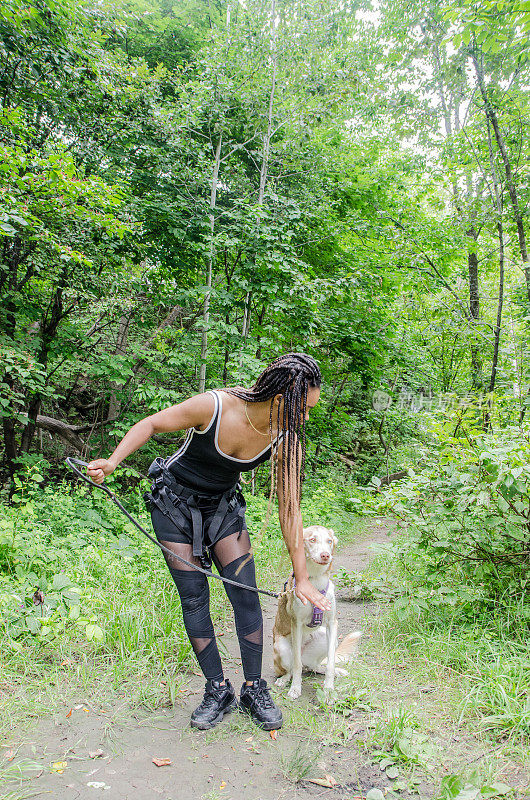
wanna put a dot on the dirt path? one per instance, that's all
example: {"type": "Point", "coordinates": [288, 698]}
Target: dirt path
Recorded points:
{"type": "Point", "coordinates": [235, 760]}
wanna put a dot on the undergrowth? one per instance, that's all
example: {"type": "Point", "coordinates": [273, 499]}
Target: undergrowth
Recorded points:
{"type": "Point", "coordinates": [87, 605]}
{"type": "Point", "coordinates": [455, 576]}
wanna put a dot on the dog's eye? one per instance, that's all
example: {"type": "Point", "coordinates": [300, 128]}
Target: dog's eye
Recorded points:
{"type": "Point", "coordinates": [312, 539]}
{"type": "Point", "coordinates": [329, 541]}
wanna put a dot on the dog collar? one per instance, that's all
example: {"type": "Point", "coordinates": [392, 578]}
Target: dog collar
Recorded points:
{"type": "Point", "coordinates": [318, 614]}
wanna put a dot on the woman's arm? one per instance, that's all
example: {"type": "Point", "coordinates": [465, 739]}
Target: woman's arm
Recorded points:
{"type": "Point", "coordinates": [192, 413]}
{"type": "Point", "coordinates": [293, 534]}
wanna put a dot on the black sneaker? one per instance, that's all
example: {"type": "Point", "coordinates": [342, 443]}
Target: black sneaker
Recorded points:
{"type": "Point", "coordinates": [257, 701]}
{"type": "Point", "coordinates": [217, 701]}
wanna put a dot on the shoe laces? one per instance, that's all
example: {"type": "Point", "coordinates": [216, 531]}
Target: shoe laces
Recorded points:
{"type": "Point", "coordinates": [263, 696]}
{"type": "Point", "coordinates": [211, 694]}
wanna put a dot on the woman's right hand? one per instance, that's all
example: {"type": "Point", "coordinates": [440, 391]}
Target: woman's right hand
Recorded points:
{"type": "Point", "coordinates": [99, 469]}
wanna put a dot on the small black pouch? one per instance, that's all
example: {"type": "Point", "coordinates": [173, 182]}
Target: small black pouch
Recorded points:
{"type": "Point", "coordinates": [156, 473]}
{"type": "Point", "coordinates": [157, 468]}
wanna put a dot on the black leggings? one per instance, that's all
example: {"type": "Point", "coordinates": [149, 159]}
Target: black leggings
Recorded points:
{"type": "Point", "coordinates": [233, 558]}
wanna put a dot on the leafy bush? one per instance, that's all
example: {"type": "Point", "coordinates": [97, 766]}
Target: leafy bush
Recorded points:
{"type": "Point", "coordinates": [466, 513]}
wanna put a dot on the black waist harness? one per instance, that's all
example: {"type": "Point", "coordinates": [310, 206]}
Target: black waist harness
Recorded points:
{"type": "Point", "coordinates": [185, 507]}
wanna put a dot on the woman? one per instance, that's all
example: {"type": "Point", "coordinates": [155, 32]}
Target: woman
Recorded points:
{"type": "Point", "coordinates": [197, 512]}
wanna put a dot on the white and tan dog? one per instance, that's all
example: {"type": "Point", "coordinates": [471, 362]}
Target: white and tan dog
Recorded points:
{"type": "Point", "coordinates": [303, 636]}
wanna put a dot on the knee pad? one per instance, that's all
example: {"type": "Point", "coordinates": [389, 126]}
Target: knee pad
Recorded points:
{"type": "Point", "coordinates": [194, 594]}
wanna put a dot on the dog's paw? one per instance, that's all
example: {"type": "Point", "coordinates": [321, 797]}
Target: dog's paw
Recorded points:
{"type": "Point", "coordinates": [330, 695]}
{"type": "Point", "coordinates": [294, 692]}
{"type": "Point", "coordinates": [282, 680]}
{"type": "Point", "coordinates": [341, 673]}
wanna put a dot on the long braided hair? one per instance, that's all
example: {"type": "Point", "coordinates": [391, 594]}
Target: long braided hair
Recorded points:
{"type": "Point", "coordinates": [290, 375]}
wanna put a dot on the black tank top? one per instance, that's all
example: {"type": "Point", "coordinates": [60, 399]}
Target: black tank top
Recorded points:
{"type": "Point", "coordinates": [200, 463]}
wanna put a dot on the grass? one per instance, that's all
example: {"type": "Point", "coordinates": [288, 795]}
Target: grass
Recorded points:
{"type": "Point", "coordinates": [297, 764]}
{"type": "Point", "coordinates": [124, 589]}
{"type": "Point", "coordinates": [489, 680]}
{"type": "Point", "coordinates": [404, 701]}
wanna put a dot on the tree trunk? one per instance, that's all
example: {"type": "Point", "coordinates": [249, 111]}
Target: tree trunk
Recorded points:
{"type": "Point", "coordinates": [261, 317]}
{"type": "Point", "coordinates": [499, 307]}
{"type": "Point", "coordinates": [491, 116]}
{"type": "Point", "coordinates": [48, 328]}
{"type": "Point", "coordinates": [121, 349]}
{"type": "Point", "coordinates": [264, 170]}
{"type": "Point", "coordinates": [497, 199]}
{"type": "Point", "coordinates": [206, 308]}
{"type": "Point", "coordinates": [10, 445]}
{"type": "Point", "coordinates": [62, 429]}
{"type": "Point", "coordinates": [474, 307]}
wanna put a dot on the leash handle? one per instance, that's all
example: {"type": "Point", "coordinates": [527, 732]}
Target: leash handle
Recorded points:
{"type": "Point", "coordinates": [74, 463]}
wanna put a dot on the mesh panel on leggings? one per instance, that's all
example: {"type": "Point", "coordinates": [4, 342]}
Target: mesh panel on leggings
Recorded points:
{"type": "Point", "coordinates": [240, 567]}
{"type": "Point", "coordinates": [194, 593]}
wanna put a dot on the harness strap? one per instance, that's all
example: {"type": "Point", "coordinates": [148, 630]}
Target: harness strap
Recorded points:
{"type": "Point", "coordinates": [318, 615]}
{"type": "Point", "coordinates": [217, 520]}
{"type": "Point", "coordinates": [72, 462]}
{"type": "Point", "coordinates": [181, 505]}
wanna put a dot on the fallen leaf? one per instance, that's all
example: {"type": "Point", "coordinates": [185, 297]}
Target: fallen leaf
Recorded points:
{"type": "Point", "coordinates": [329, 781]}
{"type": "Point", "coordinates": [223, 784]}
{"type": "Point", "coordinates": [9, 754]}
{"type": "Point", "coordinates": [250, 738]}
{"type": "Point", "coordinates": [69, 713]}
{"type": "Point", "coordinates": [274, 735]}
{"type": "Point", "coordinates": [162, 762]}
{"type": "Point", "coordinates": [59, 767]}
{"type": "Point", "coordinates": [96, 753]}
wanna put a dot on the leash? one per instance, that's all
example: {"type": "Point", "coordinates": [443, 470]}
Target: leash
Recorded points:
{"type": "Point", "coordinates": [209, 574]}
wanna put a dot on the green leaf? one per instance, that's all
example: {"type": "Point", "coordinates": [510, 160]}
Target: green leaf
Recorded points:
{"type": "Point", "coordinates": [469, 792]}
{"type": "Point", "coordinates": [495, 789]}
{"type": "Point", "coordinates": [60, 581]}
{"type": "Point", "coordinates": [33, 624]}
{"type": "Point", "coordinates": [94, 632]}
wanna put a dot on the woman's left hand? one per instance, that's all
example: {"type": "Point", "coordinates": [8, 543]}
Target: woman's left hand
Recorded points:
{"type": "Point", "coordinates": [307, 593]}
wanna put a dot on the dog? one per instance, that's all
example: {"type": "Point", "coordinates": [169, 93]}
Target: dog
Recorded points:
{"type": "Point", "coordinates": [304, 636]}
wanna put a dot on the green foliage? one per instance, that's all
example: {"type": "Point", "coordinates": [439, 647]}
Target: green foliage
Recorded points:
{"type": "Point", "coordinates": [83, 593]}
{"type": "Point", "coordinates": [471, 787]}
{"type": "Point", "coordinates": [465, 508]}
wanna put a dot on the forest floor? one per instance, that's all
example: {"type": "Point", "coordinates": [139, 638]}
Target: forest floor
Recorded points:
{"type": "Point", "coordinates": [396, 733]}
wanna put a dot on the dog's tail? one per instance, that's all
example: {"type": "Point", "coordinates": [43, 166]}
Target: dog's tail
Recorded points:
{"type": "Point", "coordinates": [348, 648]}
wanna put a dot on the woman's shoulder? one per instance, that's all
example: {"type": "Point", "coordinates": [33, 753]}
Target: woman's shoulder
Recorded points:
{"type": "Point", "coordinates": [227, 396]}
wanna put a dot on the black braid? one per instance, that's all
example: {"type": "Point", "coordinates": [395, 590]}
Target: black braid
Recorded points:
{"type": "Point", "coordinates": [291, 375]}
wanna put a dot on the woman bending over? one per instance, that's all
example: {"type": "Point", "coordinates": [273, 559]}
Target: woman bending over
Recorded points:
{"type": "Point", "coordinates": [197, 511]}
